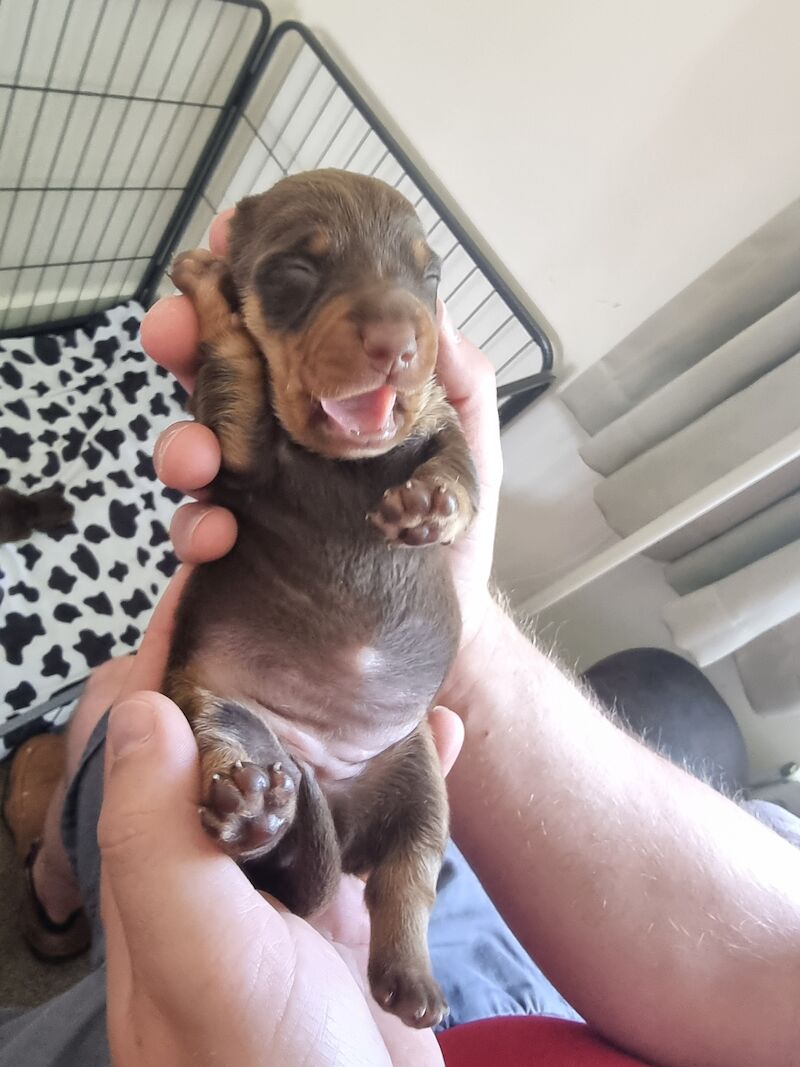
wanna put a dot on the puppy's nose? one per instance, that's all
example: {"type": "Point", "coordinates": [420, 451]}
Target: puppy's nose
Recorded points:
{"type": "Point", "coordinates": [390, 345]}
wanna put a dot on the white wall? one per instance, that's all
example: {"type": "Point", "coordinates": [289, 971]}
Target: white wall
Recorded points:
{"type": "Point", "coordinates": [608, 151]}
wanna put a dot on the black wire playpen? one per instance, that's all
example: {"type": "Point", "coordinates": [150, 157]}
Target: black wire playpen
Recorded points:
{"type": "Point", "coordinates": [125, 126]}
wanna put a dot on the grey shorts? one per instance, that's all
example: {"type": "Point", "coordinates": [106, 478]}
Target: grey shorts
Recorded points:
{"type": "Point", "coordinates": [79, 831]}
{"type": "Point", "coordinates": [70, 1029]}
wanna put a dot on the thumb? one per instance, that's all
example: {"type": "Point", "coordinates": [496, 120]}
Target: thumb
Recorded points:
{"type": "Point", "coordinates": [163, 872]}
{"type": "Point", "coordinates": [468, 378]}
{"type": "Point", "coordinates": [448, 736]}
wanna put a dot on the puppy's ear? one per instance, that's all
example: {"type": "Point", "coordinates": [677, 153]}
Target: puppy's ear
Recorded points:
{"type": "Point", "coordinates": [244, 231]}
{"type": "Point", "coordinates": [230, 294]}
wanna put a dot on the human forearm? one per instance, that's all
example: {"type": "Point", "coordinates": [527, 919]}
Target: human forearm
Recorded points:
{"type": "Point", "coordinates": [666, 915]}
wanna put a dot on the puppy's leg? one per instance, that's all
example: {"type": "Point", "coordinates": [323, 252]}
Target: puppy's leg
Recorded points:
{"type": "Point", "coordinates": [230, 393]}
{"type": "Point", "coordinates": [265, 811]}
{"type": "Point", "coordinates": [304, 871]}
{"type": "Point", "coordinates": [440, 500]}
{"type": "Point", "coordinates": [397, 830]}
{"type": "Point", "coordinates": [249, 783]}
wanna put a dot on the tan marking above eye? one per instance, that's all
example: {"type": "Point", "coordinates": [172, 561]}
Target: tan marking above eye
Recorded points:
{"type": "Point", "coordinates": [421, 254]}
{"type": "Point", "coordinates": [319, 243]}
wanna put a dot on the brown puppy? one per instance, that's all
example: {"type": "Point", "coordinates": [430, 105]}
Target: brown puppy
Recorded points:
{"type": "Point", "coordinates": [307, 658]}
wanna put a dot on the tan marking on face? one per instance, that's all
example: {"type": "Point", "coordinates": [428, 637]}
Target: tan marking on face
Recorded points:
{"type": "Point", "coordinates": [421, 254]}
{"type": "Point", "coordinates": [319, 243]}
{"type": "Point", "coordinates": [327, 360]}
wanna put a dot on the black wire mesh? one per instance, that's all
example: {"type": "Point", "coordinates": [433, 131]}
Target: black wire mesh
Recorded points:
{"type": "Point", "coordinates": [304, 113]}
{"type": "Point", "coordinates": [107, 110]}
{"type": "Point", "coordinates": [125, 125]}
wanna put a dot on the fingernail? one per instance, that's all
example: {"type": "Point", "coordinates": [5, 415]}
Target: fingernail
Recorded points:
{"type": "Point", "coordinates": [166, 439]}
{"type": "Point", "coordinates": [130, 725]}
{"type": "Point", "coordinates": [446, 324]}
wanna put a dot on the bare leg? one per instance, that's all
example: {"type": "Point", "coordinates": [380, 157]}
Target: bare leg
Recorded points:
{"type": "Point", "coordinates": [53, 877]}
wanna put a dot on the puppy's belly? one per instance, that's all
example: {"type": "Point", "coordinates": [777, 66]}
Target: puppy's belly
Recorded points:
{"type": "Point", "coordinates": [334, 714]}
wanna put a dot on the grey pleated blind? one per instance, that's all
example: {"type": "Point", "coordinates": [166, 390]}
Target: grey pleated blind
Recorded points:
{"type": "Point", "coordinates": [695, 397]}
{"type": "Point", "coordinates": [743, 287]}
{"type": "Point", "coordinates": [733, 367]}
{"type": "Point", "coordinates": [712, 445]}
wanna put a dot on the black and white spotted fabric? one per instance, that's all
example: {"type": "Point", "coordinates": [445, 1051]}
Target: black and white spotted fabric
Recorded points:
{"type": "Point", "coordinates": [82, 411]}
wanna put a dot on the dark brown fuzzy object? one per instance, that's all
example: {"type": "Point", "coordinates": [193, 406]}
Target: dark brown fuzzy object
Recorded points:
{"type": "Point", "coordinates": [308, 658]}
{"type": "Point", "coordinates": [21, 515]}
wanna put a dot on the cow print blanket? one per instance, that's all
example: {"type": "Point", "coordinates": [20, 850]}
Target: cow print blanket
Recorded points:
{"type": "Point", "coordinates": [81, 411]}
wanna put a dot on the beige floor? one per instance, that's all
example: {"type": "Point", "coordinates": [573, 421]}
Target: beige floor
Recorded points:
{"type": "Point", "coordinates": [24, 981]}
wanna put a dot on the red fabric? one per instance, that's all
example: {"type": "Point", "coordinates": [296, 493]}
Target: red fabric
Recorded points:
{"type": "Point", "coordinates": [529, 1041]}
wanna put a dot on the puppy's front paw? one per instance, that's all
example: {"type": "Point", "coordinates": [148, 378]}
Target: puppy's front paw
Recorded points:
{"type": "Point", "coordinates": [192, 270]}
{"type": "Point", "coordinates": [408, 991]}
{"type": "Point", "coordinates": [421, 512]}
{"type": "Point", "coordinates": [249, 808]}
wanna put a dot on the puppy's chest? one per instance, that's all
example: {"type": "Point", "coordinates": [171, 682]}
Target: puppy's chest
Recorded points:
{"type": "Point", "coordinates": [337, 641]}
{"type": "Point", "coordinates": [338, 493]}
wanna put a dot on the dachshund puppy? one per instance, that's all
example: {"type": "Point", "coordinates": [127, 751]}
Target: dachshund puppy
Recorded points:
{"type": "Point", "coordinates": [307, 659]}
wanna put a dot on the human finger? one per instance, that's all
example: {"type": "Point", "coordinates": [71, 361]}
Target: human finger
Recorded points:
{"type": "Point", "coordinates": [448, 736]}
{"type": "Point", "coordinates": [170, 335]}
{"type": "Point", "coordinates": [218, 233]}
{"type": "Point", "coordinates": [201, 533]}
{"type": "Point", "coordinates": [187, 456]}
{"type": "Point", "coordinates": [150, 661]}
{"type": "Point", "coordinates": [468, 378]}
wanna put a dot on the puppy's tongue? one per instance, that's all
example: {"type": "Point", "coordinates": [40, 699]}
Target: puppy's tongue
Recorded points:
{"type": "Point", "coordinates": [365, 414]}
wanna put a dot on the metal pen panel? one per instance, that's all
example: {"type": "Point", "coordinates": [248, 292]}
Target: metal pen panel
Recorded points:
{"type": "Point", "coordinates": [108, 108]}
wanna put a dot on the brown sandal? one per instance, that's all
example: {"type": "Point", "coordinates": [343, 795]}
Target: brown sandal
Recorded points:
{"type": "Point", "coordinates": [36, 771]}
{"type": "Point", "coordinates": [49, 940]}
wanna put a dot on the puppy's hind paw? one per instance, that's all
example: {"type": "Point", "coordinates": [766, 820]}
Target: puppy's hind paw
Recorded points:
{"type": "Point", "coordinates": [249, 808]}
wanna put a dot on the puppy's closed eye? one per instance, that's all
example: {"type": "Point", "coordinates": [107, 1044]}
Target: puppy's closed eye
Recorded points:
{"type": "Point", "coordinates": [433, 274]}
{"type": "Point", "coordinates": [287, 286]}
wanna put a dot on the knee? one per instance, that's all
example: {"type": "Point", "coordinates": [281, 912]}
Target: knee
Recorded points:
{"type": "Point", "coordinates": [99, 693]}
{"type": "Point", "coordinates": [106, 680]}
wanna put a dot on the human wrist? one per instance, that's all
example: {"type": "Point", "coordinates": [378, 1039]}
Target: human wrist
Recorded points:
{"type": "Point", "coordinates": [472, 680]}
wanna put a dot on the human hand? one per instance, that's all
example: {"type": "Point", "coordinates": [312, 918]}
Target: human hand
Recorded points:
{"type": "Point", "coordinates": [187, 455]}
{"type": "Point", "coordinates": [203, 969]}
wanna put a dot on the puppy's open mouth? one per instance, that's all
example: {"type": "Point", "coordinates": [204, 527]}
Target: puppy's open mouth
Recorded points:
{"type": "Point", "coordinates": [364, 417]}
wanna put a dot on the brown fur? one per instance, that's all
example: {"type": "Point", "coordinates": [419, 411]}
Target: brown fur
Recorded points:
{"type": "Point", "coordinates": [319, 243]}
{"type": "Point", "coordinates": [308, 657]}
{"type": "Point", "coordinates": [21, 514]}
